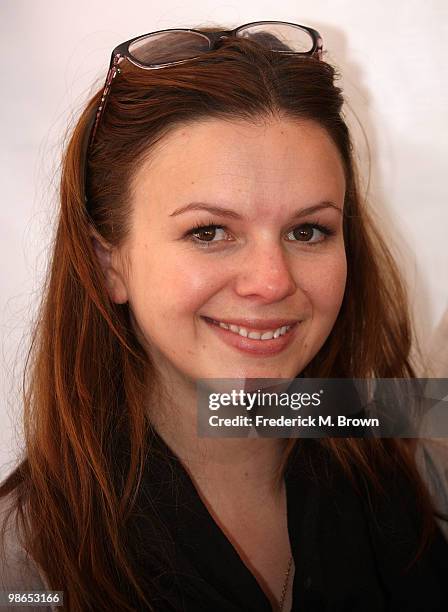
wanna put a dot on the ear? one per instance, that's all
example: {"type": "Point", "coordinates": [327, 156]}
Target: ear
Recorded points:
{"type": "Point", "coordinates": [112, 271]}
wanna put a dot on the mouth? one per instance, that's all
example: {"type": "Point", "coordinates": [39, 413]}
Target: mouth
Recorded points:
{"type": "Point", "coordinates": [255, 337]}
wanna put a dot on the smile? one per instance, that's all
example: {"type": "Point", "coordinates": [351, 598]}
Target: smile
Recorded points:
{"type": "Point", "coordinates": [253, 335]}
{"type": "Point", "coordinates": [256, 342]}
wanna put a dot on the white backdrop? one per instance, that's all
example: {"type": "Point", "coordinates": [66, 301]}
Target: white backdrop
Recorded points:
{"type": "Point", "coordinates": [392, 56]}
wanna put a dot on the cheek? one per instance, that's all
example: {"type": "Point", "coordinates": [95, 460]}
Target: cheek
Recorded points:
{"type": "Point", "coordinates": [194, 283]}
{"type": "Point", "coordinates": [325, 286]}
{"type": "Point", "coordinates": [174, 286]}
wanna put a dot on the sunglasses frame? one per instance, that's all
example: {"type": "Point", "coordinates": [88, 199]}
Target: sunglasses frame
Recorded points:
{"type": "Point", "coordinates": [122, 52]}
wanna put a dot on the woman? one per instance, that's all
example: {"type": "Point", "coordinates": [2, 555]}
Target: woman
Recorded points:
{"type": "Point", "coordinates": [209, 198]}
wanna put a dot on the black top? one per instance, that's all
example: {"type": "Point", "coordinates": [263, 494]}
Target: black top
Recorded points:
{"type": "Point", "coordinates": [350, 553]}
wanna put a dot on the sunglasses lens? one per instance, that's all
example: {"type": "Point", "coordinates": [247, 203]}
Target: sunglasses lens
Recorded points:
{"type": "Point", "coordinates": [168, 47]}
{"type": "Point", "coordinates": [279, 37]}
{"type": "Point", "coordinates": [175, 45]}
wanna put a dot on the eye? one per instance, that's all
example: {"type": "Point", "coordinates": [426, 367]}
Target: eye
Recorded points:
{"type": "Point", "coordinates": [310, 232]}
{"type": "Point", "coordinates": [207, 233]}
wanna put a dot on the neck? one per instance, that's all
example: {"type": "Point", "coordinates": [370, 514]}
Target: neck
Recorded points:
{"type": "Point", "coordinates": [217, 464]}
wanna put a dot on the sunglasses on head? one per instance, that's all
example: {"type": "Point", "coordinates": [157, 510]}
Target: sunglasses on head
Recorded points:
{"type": "Point", "coordinates": [174, 46]}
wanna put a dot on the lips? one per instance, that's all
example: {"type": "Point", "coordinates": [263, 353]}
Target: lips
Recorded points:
{"type": "Point", "coordinates": [252, 343]}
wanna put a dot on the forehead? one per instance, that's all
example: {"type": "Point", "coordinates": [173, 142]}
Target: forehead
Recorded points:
{"type": "Point", "coordinates": [242, 162]}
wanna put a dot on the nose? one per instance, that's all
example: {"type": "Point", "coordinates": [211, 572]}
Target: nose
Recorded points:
{"type": "Point", "coordinates": [266, 273]}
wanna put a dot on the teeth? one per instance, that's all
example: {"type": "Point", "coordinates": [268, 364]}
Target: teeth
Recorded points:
{"type": "Point", "coordinates": [242, 331]}
{"type": "Point", "coordinates": [267, 335]}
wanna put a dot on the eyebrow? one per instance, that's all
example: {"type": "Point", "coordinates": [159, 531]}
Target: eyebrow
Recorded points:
{"type": "Point", "coordinates": [232, 214]}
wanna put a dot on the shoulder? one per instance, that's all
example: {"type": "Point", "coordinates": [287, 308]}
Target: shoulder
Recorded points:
{"type": "Point", "coordinates": [432, 462]}
{"type": "Point", "coordinates": [17, 570]}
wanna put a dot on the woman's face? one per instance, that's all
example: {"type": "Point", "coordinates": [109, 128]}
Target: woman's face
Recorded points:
{"type": "Point", "coordinates": [270, 254]}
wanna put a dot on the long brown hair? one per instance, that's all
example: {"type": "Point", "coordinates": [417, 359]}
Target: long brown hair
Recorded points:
{"type": "Point", "coordinates": [86, 374]}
